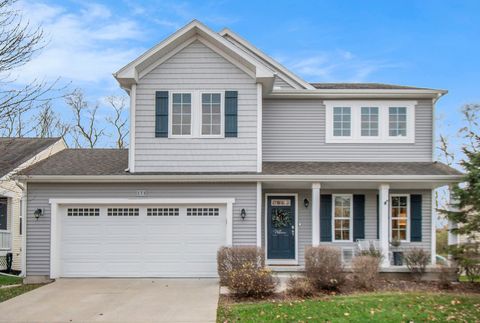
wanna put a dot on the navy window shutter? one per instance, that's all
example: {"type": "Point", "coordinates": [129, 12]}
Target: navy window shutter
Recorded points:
{"type": "Point", "coordinates": [325, 218]}
{"type": "Point", "coordinates": [378, 217]}
{"type": "Point", "coordinates": [231, 111]}
{"type": "Point", "coordinates": [416, 217]}
{"type": "Point", "coordinates": [358, 217]}
{"type": "Point", "coordinates": [161, 114]}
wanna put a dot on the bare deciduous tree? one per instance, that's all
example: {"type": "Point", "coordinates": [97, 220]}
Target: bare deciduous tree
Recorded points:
{"type": "Point", "coordinates": [18, 43]}
{"type": "Point", "coordinates": [118, 121]}
{"type": "Point", "coordinates": [48, 123]}
{"type": "Point", "coordinates": [85, 128]}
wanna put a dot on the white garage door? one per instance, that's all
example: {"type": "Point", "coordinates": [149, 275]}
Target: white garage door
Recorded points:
{"type": "Point", "coordinates": [141, 241]}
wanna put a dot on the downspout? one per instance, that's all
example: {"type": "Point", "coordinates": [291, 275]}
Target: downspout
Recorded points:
{"type": "Point", "coordinates": [23, 212]}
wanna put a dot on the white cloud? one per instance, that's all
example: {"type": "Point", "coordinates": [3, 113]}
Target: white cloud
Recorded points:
{"type": "Point", "coordinates": [334, 66]}
{"type": "Point", "coordinates": [84, 45]}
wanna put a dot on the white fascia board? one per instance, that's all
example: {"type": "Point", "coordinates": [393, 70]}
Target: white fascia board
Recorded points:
{"type": "Point", "coordinates": [358, 94]}
{"type": "Point", "coordinates": [266, 58]}
{"type": "Point", "coordinates": [242, 178]}
{"type": "Point", "coordinates": [130, 71]}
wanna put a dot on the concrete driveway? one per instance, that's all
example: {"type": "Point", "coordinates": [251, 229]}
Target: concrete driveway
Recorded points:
{"type": "Point", "coordinates": [116, 300]}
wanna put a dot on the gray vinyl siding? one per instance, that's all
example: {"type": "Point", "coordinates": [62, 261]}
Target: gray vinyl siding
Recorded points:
{"type": "Point", "coordinates": [279, 82]}
{"type": "Point", "coordinates": [38, 231]}
{"type": "Point", "coordinates": [294, 130]}
{"type": "Point", "coordinates": [305, 219]}
{"type": "Point", "coordinates": [196, 67]}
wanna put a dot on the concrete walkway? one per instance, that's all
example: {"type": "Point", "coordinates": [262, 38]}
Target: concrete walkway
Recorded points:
{"type": "Point", "coordinates": [116, 300]}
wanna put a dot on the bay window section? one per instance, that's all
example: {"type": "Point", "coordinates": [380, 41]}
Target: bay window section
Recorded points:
{"type": "Point", "coordinates": [181, 114]}
{"type": "Point", "coordinates": [397, 121]}
{"type": "Point", "coordinates": [342, 121]}
{"type": "Point", "coordinates": [342, 218]}
{"type": "Point", "coordinates": [369, 121]}
{"type": "Point", "coordinates": [399, 214]}
{"type": "Point", "coordinates": [211, 114]}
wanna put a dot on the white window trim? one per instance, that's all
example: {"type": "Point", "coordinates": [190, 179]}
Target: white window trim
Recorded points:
{"type": "Point", "coordinates": [391, 218]}
{"type": "Point", "coordinates": [383, 121]}
{"type": "Point", "coordinates": [170, 114]}
{"type": "Point", "coordinates": [222, 114]}
{"type": "Point", "coordinates": [196, 114]}
{"type": "Point", "coordinates": [350, 196]}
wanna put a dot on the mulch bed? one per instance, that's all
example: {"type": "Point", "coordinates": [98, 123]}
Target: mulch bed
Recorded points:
{"type": "Point", "coordinates": [381, 286]}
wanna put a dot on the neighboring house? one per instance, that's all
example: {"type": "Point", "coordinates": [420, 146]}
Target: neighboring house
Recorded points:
{"type": "Point", "coordinates": [228, 147]}
{"type": "Point", "coordinates": [17, 154]}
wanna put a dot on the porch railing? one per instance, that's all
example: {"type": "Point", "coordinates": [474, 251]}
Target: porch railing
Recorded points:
{"type": "Point", "coordinates": [5, 240]}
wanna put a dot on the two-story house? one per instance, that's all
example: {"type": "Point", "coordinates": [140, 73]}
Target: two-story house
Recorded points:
{"type": "Point", "coordinates": [228, 147]}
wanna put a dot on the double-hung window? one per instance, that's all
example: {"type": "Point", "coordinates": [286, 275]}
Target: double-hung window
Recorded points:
{"type": "Point", "coordinates": [369, 121]}
{"type": "Point", "coordinates": [400, 217]}
{"type": "Point", "coordinates": [342, 121]}
{"type": "Point", "coordinates": [397, 121]}
{"type": "Point", "coordinates": [197, 114]}
{"type": "Point", "coordinates": [342, 217]}
{"type": "Point", "coordinates": [211, 114]}
{"type": "Point", "coordinates": [181, 114]}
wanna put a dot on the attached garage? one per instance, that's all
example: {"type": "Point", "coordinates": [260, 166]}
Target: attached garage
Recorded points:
{"type": "Point", "coordinates": [146, 238]}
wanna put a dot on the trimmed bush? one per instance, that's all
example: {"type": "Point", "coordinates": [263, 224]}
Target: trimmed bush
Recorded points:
{"type": "Point", "coordinates": [251, 281]}
{"type": "Point", "coordinates": [365, 271]}
{"type": "Point", "coordinates": [417, 260]}
{"type": "Point", "coordinates": [324, 268]}
{"type": "Point", "coordinates": [300, 287]}
{"type": "Point", "coordinates": [231, 258]}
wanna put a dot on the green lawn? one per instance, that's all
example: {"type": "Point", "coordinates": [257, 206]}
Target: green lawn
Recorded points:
{"type": "Point", "coordinates": [7, 293]}
{"type": "Point", "coordinates": [9, 280]}
{"type": "Point", "coordinates": [391, 307]}
{"type": "Point", "coordinates": [465, 279]}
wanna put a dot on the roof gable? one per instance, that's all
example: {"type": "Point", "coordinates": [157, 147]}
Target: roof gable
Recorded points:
{"type": "Point", "coordinates": [195, 30]}
{"type": "Point", "coordinates": [283, 73]}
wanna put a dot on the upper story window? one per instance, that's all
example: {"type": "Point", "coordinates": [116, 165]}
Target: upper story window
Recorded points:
{"type": "Point", "coordinates": [196, 114]}
{"type": "Point", "coordinates": [397, 121]}
{"type": "Point", "coordinates": [181, 114]}
{"type": "Point", "coordinates": [211, 114]}
{"type": "Point", "coordinates": [370, 121]}
{"type": "Point", "coordinates": [342, 121]}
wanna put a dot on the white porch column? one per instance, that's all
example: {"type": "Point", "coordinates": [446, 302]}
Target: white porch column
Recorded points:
{"type": "Point", "coordinates": [315, 214]}
{"type": "Point", "coordinates": [383, 197]}
{"type": "Point", "coordinates": [259, 214]}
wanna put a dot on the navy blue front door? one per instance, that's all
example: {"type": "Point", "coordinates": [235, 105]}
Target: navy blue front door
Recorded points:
{"type": "Point", "coordinates": [281, 227]}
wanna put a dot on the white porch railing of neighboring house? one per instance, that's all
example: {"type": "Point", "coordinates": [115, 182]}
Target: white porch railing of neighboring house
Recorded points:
{"type": "Point", "coordinates": [5, 240]}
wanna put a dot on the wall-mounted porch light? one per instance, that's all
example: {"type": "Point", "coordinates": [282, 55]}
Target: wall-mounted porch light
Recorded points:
{"type": "Point", "coordinates": [38, 213]}
{"type": "Point", "coordinates": [306, 202]}
{"type": "Point", "coordinates": [243, 214]}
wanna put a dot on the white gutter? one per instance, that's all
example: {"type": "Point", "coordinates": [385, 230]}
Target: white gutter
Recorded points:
{"type": "Point", "coordinates": [240, 178]}
{"type": "Point", "coordinates": [358, 93]}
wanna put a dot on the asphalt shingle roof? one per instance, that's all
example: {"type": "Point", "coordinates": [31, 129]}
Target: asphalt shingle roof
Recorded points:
{"type": "Point", "coordinates": [16, 151]}
{"type": "Point", "coordinates": [114, 162]}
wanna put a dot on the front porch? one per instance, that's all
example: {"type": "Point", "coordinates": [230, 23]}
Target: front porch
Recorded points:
{"type": "Point", "coordinates": [349, 215]}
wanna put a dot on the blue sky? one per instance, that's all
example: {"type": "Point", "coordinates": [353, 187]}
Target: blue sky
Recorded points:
{"type": "Point", "coordinates": [421, 43]}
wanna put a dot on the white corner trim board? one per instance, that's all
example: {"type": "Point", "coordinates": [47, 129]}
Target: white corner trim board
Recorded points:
{"type": "Point", "coordinates": [55, 227]}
